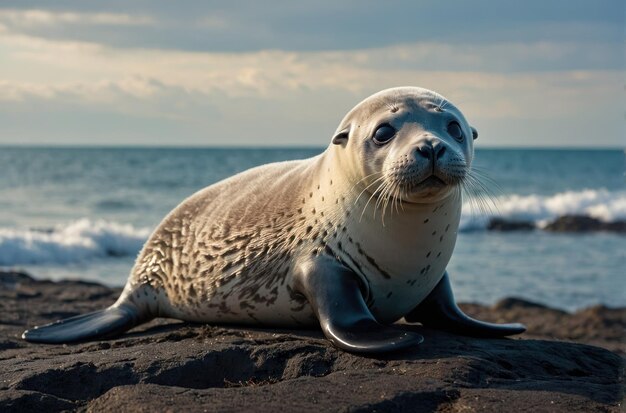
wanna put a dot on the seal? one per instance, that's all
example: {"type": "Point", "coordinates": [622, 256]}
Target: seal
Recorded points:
{"type": "Point", "coordinates": [353, 239]}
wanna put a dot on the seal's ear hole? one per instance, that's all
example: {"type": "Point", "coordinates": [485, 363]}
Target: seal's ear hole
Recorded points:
{"type": "Point", "coordinates": [341, 137]}
{"type": "Point", "coordinates": [474, 133]}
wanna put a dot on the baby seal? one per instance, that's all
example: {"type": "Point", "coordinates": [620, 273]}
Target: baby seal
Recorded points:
{"type": "Point", "coordinates": [353, 239]}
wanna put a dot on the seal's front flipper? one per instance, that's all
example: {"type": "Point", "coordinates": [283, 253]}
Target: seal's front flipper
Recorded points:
{"type": "Point", "coordinates": [439, 311]}
{"type": "Point", "coordinates": [335, 295]}
{"type": "Point", "coordinates": [99, 324]}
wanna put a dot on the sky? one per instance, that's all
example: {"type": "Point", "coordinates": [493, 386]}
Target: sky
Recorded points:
{"type": "Point", "coordinates": [534, 73]}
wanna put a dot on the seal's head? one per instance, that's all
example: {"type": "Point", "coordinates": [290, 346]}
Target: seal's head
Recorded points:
{"type": "Point", "coordinates": [409, 143]}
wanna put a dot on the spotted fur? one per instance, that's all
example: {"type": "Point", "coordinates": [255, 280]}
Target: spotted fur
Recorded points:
{"type": "Point", "coordinates": [229, 253]}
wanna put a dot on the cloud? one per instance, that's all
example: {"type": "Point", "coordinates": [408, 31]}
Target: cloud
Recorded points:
{"type": "Point", "coordinates": [92, 72]}
{"type": "Point", "coordinates": [248, 25]}
{"type": "Point", "coordinates": [509, 89]}
{"type": "Point", "coordinates": [278, 97]}
{"type": "Point", "coordinates": [37, 18]}
{"type": "Point", "coordinates": [103, 91]}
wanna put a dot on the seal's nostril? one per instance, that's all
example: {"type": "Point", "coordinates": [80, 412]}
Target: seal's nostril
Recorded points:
{"type": "Point", "coordinates": [439, 151]}
{"type": "Point", "coordinates": [425, 150]}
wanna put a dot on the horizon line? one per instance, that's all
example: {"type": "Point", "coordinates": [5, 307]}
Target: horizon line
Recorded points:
{"type": "Point", "coordinates": [273, 147]}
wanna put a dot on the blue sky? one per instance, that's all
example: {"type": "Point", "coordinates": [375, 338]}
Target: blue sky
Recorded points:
{"type": "Point", "coordinates": [532, 73]}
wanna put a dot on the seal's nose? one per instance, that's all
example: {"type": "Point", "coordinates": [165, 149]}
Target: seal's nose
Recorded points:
{"type": "Point", "coordinates": [430, 150]}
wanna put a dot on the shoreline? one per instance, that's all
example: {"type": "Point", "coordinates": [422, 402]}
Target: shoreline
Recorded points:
{"type": "Point", "coordinates": [565, 362]}
{"type": "Point", "coordinates": [496, 304]}
{"type": "Point", "coordinates": [598, 324]}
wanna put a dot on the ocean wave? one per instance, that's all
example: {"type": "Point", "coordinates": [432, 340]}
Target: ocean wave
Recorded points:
{"type": "Point", "coordinates": [78, 241]}
{"type": "Point", "coordinates": [605, 205]}
{"type": "Point", "coordinates": [85, 240]}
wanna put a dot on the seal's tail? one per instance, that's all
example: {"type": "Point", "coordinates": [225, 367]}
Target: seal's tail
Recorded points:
{"type": "Point", "coordinates": [100, 324]}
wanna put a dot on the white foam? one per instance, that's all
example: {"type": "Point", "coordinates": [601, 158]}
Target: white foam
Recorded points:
{"type": "Point", "coordinates": [598, 203]}
{"type": "Point", "coordinates": [85, 240]}
{"type": "Point", "coordinates": [78, 241]}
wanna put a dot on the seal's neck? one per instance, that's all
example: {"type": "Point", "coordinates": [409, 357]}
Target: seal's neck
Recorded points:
{"type": "Point", "coordinates": [399, 237]}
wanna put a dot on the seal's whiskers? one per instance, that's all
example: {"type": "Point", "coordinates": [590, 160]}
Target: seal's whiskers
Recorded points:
{"type": "Point", "coordinates": [479, 196]}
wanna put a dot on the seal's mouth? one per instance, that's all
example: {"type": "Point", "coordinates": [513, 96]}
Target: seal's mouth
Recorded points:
{"type": "Point", "coordinates": [432, 181]}
{"type": "Point", "coordinates": [429, 187]}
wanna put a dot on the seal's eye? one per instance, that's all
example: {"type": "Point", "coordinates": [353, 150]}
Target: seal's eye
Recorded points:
{"type": "Point", "coordinates": [454, 129]}
{"type": "Point", "coordinates": [384, 134]}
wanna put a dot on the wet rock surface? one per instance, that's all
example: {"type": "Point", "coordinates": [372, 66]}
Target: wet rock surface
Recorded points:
{"type": "Point", "coordinates": [583, 223]}
{"type": "Point", "coordinates": [500, 224]}
{"type": "Point", "coordinates": [168, 365]}
{"type": "Point", "coordinates": [565, 223]}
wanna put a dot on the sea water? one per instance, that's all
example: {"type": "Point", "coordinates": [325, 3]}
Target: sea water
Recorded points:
{"type": "Point", "coordinates": [85, 213]}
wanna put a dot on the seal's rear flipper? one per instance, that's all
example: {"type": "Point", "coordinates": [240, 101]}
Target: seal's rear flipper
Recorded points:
{"type": "Point", "coordinates": [335, 295]}
{"type": "Point", "coordinates": [99, 324]}
{"type": "Point", "coordinates": [439, 311]}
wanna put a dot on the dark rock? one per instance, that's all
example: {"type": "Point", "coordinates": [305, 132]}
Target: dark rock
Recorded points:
{"type": "Point", "coordinates": [566, 223]}
{"type": "Point", "coordinates": [514, 302]}
{"type": "Point", "coordinates": [500, 224]}
{"type": "Point", "coordinates": [584, 223]}
{"type": "Point", "coordinates": [10, 278]}
{"type": "Point", "coordinates": [175, 366]}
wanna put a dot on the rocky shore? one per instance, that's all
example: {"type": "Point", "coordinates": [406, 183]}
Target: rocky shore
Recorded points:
{"type": "Point", "coordinates": [566, 362]}
{"type": "Point", "coordinates": [565, 223]}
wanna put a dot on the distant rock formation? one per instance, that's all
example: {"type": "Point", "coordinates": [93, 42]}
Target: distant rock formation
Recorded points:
{"type": "Point", "coordinates": [499, 224]}
{"type": "Point", "coordinates": [565, 223]}
{"type": "Point", "coordinates": [584, 223]}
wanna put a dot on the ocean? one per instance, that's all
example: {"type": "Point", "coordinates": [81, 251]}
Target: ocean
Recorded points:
{"type": "Point", "coordinates": [85, 213]}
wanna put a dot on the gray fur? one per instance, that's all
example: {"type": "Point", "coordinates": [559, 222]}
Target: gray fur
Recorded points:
{"type": "Point", "coordinates": [235, 251]}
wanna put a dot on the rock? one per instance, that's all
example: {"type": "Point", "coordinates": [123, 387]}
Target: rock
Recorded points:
{"type": "Point", "coordinates": [500, 224]}
{"type": "Point", "coordinates": [584, 223]}
{"type": "Point", "coordinates": [566, 223]}
{"type": "Point", "coordinates": [173, 366]}
{"type": "Point", "coordinates": [9, 278]}
{"type": "Point", "coordinates": [514, 302]}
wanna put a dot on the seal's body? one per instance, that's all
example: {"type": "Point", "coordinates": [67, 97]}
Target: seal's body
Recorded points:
{"type": "Point", "coordinates": [229, 253]}
{"type": "Point", "coordinates": [354, 239]}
